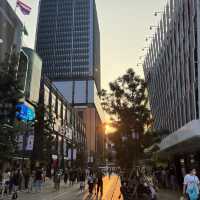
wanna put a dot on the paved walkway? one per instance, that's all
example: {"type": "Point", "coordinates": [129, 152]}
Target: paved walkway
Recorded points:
{"type": "Point", "coordinates": [168, 195]}
{"type": "Point", "coordinates": [111, 192]}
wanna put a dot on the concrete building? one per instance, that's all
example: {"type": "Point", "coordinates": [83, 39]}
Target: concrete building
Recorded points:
{"type": "Point", "coordinates": [10, 29]}
{"type": "Point", "coordinates": [68, 128]}
{"type": "Point", "coordinates": [171, 69]}
{"type": "Point", "coordinates": [68, 40]}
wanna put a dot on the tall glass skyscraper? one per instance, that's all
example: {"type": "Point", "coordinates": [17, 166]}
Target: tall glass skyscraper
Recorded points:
{"type": "Point", "coordinates": [68, 40]}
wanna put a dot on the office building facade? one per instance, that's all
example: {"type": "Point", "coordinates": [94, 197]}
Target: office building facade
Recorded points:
{"type": "Point", "coordinates": [171, 67]}
{"type": "Point", "coordinates": [68, 129]}
{"type": "Point", "coordinates": [172, 73]}
{"type": "Point", "coordinates": [68, 40]}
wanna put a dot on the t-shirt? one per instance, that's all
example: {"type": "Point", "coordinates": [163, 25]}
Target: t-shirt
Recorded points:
{"type": "Point", "coordinates": [38, 175]}
{"type": "Point", "coordinates": [191, 181]}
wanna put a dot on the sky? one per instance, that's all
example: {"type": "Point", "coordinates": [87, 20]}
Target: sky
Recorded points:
{"type": "Point", "coordinates": [124, 25]}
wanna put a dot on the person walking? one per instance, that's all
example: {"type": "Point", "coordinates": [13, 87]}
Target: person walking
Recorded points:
{"type": "Point", "coordinates": [191, 185]}
{"type": "Point", "coordinates": [66, 176]}
{"type": "Point", "coordinates": [109, 172]}
{"type": "Point", "coordinates": [57, 178]}
{"type": "Point", "coordinates": [38, 180]}
{"type": "Point", "coordinates": [99, 183]}
{"type": "Point", "coordinates": [82, 176]}
{"type": "Point", "coordinates": [91, 183]}
{"type": "Point", "coordinates": [15, 183]}
{"type": "Point", "coordinates": [26, 178]}
{"type": "Point", "coordinates": [31, 186]}
{"type": "Point", "coordinates": [6, 181]}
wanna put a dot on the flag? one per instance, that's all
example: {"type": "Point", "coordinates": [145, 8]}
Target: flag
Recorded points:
{"type": "Point", "coordinates": [25, 9]}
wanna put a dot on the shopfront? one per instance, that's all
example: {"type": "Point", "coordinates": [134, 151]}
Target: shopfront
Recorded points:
{"type": "Point", "coordinates": [182, 149]}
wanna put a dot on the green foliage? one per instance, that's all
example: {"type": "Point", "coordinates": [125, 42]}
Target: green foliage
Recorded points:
{"type": "Point", "coordinates": [44, 130]}
{"type": "Point", "coordinates": [126, 102]}
{"type": "Point", "coordinates": [7, 141]}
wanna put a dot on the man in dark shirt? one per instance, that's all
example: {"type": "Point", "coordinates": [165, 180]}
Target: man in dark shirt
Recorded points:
{"type": "Point", "coordinates": [38, 179]}
{"type": "Point", "coordinates": [100, 182]}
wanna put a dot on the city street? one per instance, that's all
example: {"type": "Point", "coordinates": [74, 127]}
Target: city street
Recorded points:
{"type": "Point", "coordinates": [92, 89]}
{"type": "Point", "coordinates": [111, 192]}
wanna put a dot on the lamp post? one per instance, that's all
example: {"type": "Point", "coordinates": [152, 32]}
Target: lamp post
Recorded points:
{"type": "Point", "coordinates": [140, 58]}
{"type": "Point", "coordinates": [157, 12]}
{"type": "Point", "coordinates": [148, 38]}
{"type": "Point", "coordinates": [145, 48]}
{"type": "Point", "coordinates": [152, 26]}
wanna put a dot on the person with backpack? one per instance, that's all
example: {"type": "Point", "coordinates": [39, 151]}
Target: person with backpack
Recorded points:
{"type": "Point", "coordinates": [191, 185]}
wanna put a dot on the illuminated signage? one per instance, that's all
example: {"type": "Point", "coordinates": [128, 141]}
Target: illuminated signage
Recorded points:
{"type": "Point", "coordinates": [24, 113]}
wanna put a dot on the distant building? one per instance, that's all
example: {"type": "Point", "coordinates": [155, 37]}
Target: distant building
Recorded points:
{"type": "Point", "coordinates": [10, 29]}
{"type": "Point", "coordinates": [68, 41]}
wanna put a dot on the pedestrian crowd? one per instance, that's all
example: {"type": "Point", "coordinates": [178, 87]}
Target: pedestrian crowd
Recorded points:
{"type": "Point", "coordinates": [13, 180]}
{"type": "Point", "coordinates": [140, 184]}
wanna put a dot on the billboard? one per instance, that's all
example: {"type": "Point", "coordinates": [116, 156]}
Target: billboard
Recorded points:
{"type": "Point", "coordinates": [24, 113]}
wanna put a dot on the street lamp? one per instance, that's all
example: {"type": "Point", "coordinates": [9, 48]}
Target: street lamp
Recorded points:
{"type": "Point", "coordinates": [1, 41]}
{"type": "Point", "coordinates": [156, 13]}
{"type": "Point", "coordinates": [145, 48]}
{"type": "Point", "coordinates": [147, 38]}
{"type": "Point", "coordinates": [151, 27]}
{"type": "Point", "coordinates": [140, 58]}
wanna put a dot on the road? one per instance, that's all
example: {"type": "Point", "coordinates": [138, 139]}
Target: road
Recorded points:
{"type": "Point", "coordinates": [111, 192]}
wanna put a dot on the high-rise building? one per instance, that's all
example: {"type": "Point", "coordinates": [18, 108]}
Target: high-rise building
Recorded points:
{"type": "Point", "coordinates": [172, 73]}
{"type": "Point", "coordinates": [68, 41]}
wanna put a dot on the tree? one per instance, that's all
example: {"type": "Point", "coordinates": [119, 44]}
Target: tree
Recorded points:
{"type": "Point", "coordinates": [44, 134]}
{"type": "Point", "coordinates": [126, 102]}
{"type": "Point", "coordinates": [9, 96]}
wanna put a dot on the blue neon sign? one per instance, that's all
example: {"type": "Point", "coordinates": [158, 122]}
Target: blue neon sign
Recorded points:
{"type": "Point", "coordinates": [24, 113]}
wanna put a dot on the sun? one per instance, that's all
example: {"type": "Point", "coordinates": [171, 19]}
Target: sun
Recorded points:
{"type": "Point", "coordinates": [109, 129]}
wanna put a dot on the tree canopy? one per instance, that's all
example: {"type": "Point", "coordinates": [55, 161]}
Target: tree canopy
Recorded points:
{"type": "Point", "coordinates": [127, 104]}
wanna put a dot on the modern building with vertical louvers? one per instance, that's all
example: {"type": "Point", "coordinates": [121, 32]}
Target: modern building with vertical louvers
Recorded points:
{"type": "Point", "coordinates": [171, 69]}
{"type": "Point", "coordinates": [68, 41]}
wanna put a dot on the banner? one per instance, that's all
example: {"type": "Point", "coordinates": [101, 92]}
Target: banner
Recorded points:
{"type": "Point", "coordinates": [30, 143]}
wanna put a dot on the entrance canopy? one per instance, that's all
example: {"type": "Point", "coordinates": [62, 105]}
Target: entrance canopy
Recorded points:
{"type": "Point", "coordinates": [184, 140]}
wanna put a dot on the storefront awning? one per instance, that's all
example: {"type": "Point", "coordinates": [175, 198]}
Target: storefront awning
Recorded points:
{"type": "Point", "coordinates": [184, 140]}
